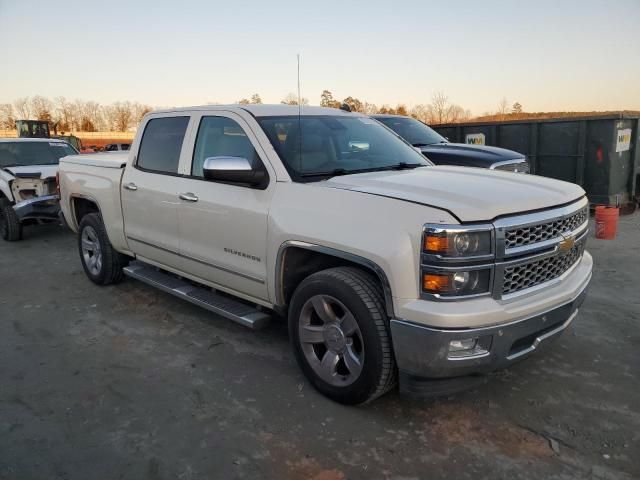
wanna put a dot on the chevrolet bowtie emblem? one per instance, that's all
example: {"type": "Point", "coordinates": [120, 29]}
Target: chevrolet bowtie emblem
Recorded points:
{"type": "Point", "coordinates": [567, 243]}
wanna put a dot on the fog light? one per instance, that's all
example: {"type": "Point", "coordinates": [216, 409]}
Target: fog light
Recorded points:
{"type": "Point", "coordinates": [469, 347]}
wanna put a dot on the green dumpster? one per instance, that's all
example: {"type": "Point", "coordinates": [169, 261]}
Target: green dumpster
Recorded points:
{"type": "Point", "coordinates": [601, 154]}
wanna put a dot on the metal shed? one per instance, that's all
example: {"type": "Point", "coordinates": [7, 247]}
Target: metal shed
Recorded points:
{"type": "Point", "coordinates": [601, 154]}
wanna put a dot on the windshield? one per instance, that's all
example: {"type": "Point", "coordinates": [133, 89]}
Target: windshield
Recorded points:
{"type": "Point", "coordinates": [33, 153]}
{"type": "Point", "coordinates": [337, 145]}
{"type": "Point", "coordinates": [413, 131]}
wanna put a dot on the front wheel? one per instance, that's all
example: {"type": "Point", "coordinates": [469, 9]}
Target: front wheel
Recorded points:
{"type": "Point", "coordinates": [340, 336]}
{"type": "Point", "coordinates": [10, 226]}
{"type": "Point", "coordinates": [102, 264]}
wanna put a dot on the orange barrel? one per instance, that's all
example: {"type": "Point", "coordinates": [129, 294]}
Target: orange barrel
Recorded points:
{"type": "Point", "coordinates": [606, 222]}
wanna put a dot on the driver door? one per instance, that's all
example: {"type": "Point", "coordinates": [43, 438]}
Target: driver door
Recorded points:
{"type": "Point", "coordinates": [223, 226]}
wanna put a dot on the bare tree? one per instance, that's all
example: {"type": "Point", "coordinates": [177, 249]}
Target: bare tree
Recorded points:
{"type": "Point", "coordinates": [255, 98]}
{"type": "Point", "coordinates": [503, 108]}
{"type": "Point", "coordinates": [42, 108]}
{"type": "Point", "coordinates": [64, 116]}
{"type": "Point", "coordinates": [22, 108]}
{"type": "Point", "coordinates": [120, 116]}
{"type": "Point", "coordinates": [292, 99]}
{"type": "Point", "coordinates": [243, 101]}
{"type": "Point", "coordinates": [440, 108]}
{"type": "Point", "coordinates": [93, 112]}
{"type": "Point", "coordinates": [421, 112]}
{"type": "Point", "coordinates": [369, 108]}
{"type": "Point", "coordinates": [7, 120]}
{"type": "Point", "coordinates": [516, 108]}
{"type": "Point", "coordinates": [139, 111]}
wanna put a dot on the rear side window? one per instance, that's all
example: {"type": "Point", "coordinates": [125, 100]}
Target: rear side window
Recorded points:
{"type": "Point", "coordinates": [161, 144]}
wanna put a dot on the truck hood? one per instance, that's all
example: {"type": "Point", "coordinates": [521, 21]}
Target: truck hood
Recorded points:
{"type": "Point", "coordinates": [45, 171]}
{"type": "Point", "coordinates": [470, 194]}
{"type": "Point", "coordinates": [480, 153]}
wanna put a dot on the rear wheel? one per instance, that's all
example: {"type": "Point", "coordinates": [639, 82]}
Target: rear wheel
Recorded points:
{"type": "Point", "coordinates": [10, 226]}
{"type": "Point", "coordinates": [102, 264]}
{"type": "Point", "coordinates": [338, 328]}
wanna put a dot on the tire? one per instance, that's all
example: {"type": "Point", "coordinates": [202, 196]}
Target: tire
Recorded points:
{"type": "Point", "coordinates": [10, 226]}
{"type": "Point", "coordinates": [350, 366]}
{"type": "Point", "coordinates": [102, 264]}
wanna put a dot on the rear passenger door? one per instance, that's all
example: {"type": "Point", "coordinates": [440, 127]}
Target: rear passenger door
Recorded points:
{"type": "Point", "coordinates": [223, 228]}
{"type": "Point", "coordinates": [150, 192]}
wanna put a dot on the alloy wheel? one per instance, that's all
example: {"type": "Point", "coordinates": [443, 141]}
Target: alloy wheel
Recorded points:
{"type": "Point", "coordinates": [331, 340]}
{"type": "Point", "coordinates": [91, 250]}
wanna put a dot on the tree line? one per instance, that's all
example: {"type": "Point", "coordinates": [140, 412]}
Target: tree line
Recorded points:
{"type": "Point", "coordinates": [65, 115]}
{"type": "Point", "coordinates": [440, 110]}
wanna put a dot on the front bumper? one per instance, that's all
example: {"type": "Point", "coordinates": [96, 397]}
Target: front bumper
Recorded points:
{"type": "Point", "coordinates": [423, 352]}
{"type": "Point", "coordinates": [46, 207]}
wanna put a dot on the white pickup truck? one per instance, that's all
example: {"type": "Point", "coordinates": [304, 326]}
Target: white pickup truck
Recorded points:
{"type": "Point", "coordinates": [386, 266]}
{"type": "Point", "coordinates": [28, 195]}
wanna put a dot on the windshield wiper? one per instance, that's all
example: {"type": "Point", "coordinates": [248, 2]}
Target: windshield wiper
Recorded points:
{"type": "Point", "coordinates": [13, 165]}
{"type": "Point", "coordinates": [332, 173]}
{"type": "Point", "coordinates": [341, 171]}
{"type": "Point", "coordinates": [404, 166]}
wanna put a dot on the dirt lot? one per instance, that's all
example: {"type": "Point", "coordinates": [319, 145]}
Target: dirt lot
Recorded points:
{"type": "Point", "coordinates": [125, 382]}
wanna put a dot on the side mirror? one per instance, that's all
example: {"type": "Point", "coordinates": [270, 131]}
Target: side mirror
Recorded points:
{"type": "Point", "coordinates": [233, 170]}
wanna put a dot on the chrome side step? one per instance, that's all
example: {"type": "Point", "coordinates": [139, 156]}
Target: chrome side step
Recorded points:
{"type": "Point", "coordinates": [227, 307]}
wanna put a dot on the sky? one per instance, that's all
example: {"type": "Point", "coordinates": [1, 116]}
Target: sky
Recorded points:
{"type": "Point", "coordinates": [559, 55]}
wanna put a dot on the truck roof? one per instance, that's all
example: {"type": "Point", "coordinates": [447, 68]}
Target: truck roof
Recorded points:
{"type": "Point", "coordinates": [388, 115]}
{"type": "Point", "coordinates": [26, 139]}
{"type": "Point", "coordinates": [264, 110]}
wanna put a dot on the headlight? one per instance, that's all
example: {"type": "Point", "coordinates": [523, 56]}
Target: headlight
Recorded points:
{"type": "Point", "coordinates": [457, 241]}
{"type": "Point", "coordinates": [457, 261]}
{"type": "Point", "coordinates": [456, 283]}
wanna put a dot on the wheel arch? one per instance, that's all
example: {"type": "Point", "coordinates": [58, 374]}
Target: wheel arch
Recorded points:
{"type": "Point", "coordinates": [315, 258]}
{"type": "Point", "coordinates": [82, 205]}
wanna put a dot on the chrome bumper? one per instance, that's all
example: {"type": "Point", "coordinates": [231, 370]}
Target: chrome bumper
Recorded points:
{"type": "Point", "coordinates": [423, 352]}
{"type": "Point", "coordinates": [46, 207]}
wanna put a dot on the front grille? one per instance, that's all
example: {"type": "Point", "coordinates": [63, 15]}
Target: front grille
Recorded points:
{"type": "Point", "coordinates": [531, 234]}
{"type": "Point", "coordinates": [534, 273]}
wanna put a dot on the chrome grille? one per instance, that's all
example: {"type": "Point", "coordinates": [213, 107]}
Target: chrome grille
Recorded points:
{"type": "Point", "coordinates": [531, 234]}
{"type": "Point", "coordinates": [534, 273]}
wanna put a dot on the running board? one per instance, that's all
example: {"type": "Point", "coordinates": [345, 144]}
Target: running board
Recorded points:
{"type": "Point", "coordinates": [203, 297]}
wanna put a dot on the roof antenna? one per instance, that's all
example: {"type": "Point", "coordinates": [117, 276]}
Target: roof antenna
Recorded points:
{"type": "Point", "coordinates": [299, 120]}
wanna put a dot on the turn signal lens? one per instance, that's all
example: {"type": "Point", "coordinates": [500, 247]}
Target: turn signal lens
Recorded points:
{"type": "Point", "coordinates": [436, 283]}
{"type": "Point", "coordinates": [457, 283]}
{"type": "Point", "coordinates": [456, 243]}
{"type": "Point", "coordinates": [437, 244]}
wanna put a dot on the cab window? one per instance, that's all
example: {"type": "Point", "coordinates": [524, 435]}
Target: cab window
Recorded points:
{"type": "Point", "coordinates": [221, 137]}
{"type": "Point", "coordinates": [161, 144]}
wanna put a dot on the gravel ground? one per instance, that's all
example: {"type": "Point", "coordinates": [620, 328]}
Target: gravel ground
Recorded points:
{"type": "Point", "coordinates": [126, 382]}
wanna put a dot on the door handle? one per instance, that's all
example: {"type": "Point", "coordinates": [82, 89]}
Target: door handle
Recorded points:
{"type": "Point", "coordinates": [130, 186]}
{"type": "Point", "coordinates": [189, 197]}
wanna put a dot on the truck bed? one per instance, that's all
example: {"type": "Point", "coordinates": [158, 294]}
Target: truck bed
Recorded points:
{"type": "Point", "coordinates": [96, 177]}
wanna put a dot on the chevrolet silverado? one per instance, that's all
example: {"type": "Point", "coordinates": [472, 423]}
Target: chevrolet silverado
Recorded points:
{"type": "Point", "coordinates": [389, 269]}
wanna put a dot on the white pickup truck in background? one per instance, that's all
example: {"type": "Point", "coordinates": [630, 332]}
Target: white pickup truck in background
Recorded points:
{"type": "Point", "coordinates": [383, 263]}
{"type": "Point", "coordinates": [28, 168]}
